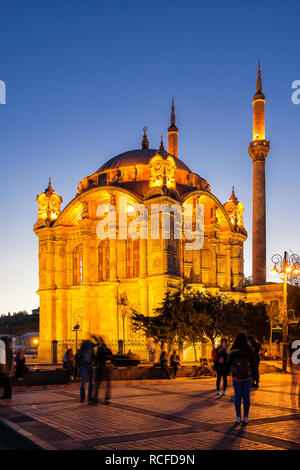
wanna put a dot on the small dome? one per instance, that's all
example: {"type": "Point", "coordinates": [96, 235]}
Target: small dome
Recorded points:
{"type": "Point", "coordinates": [137, 157]}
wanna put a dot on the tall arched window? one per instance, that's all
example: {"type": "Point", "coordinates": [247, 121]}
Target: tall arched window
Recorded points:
{"type": "Point", "coordinates": [132, 258]}
{"type": "Point", "coordinates": [104, 260]}
{"type": "Point", "coordinates": [78, 266]}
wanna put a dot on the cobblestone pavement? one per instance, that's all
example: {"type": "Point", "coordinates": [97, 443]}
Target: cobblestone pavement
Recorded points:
{"type": "Point", "coordinates": [184, 414]}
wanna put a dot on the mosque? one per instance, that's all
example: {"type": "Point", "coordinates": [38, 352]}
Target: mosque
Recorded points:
{"type": "Point", "coordinates": [93, 282]}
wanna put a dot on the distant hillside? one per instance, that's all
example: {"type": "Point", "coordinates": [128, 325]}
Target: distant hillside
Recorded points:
{"type": "Point", "coordinates": [19, 323]}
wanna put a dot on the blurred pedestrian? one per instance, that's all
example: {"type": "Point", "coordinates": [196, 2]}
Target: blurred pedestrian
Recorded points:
{"type": "Point", "coordinates": [175, 363]}
{"type": "Point", "coordinates": [151, 346]}
{"type": "Point", "coordinates": [221, 365]}
{"type": "Point", "coordinates": [256, 348]}
{"type": "Point", "coordinates": [86, 369]}
{"type": "Point", "coordinates": [164, 364]}
{"type": "Point", "coordinates": [241, 360]}
{"type": "Point", "coordinates": [7, 369]}
{"type": "Point", "coordinates": [69, 362]}
{"type": "Point", "coordinates": [21, 368]}
{"type": "Point", "coordinates": [77, 364]}
{"type": "Point", "coordinates": [102, 372]}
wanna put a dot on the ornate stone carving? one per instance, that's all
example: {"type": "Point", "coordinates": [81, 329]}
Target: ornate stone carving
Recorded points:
{"type": "Point", "coordinates": [49, 204]}
{"type": "Point", "coordinates": [162, 172]}
{"type": "Point", "coordinates": [235, 209]}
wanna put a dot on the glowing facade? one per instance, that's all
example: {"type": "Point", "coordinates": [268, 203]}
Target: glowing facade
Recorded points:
{"type": "Point", "coordinates": [94, 282]}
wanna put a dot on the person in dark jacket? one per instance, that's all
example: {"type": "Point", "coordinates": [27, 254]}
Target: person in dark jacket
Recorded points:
{"type": "Point", "coordinates": [256, 348]}
{"type": "Point", "coordinates": [164, 364]}
{"type": "Point", "coordinates": [175, 363]}
{"type": "Point", "coordinates": [242, 363]}
{"type": "Point", "coordinates": [7, 371]}
{"type": "Point", "coordinates": [221, 366]}
{"type": "Point", "coordinates": [102, 372]}
{"type": "Point", "coordinates": [86, 354]}
{"type": "Point", "coordinates": [21, 367]}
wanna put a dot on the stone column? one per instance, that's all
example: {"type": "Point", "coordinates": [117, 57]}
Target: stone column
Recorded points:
{"type": "Point", "coordinates": [258, 151]}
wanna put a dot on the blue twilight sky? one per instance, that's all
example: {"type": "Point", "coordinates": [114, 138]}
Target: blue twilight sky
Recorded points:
{"type": "Point", "coordinates": [84, 76]}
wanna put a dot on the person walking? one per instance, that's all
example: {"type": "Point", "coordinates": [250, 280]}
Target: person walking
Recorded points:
{"type": "Point", "coordinates": [7, 369]}
{"type": "Point", "coordinates": [21, 367]}
{"type": "Point", "coordinates": [257, 348]}
{"type": "Point", "coordinates": [86, 369]}
{"type": "Point", "coordinates": [175, 363]}
{"type": "Point", "coordinates": [241, 360]}
{"type": "Point", "coordinates": [102, 372]}
{"type": "Point", "coordinates": [164, 364]}
{"type": "Point", "coordinates": [221, 366]}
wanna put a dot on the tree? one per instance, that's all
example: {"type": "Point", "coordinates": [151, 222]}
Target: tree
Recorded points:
{"type": "Point", "coordinates": [222, 317]}
{"type": "Point", "coordinates": [255, 320]}
{"type": "Point", "coordinates": [189, 316]}
{"type": "Point", "coordinates": [175, 321]}
{"type": "Point", "coordinates": [273, 312]}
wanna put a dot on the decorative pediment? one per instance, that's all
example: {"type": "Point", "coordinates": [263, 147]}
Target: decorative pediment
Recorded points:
{"type": "Point", "coordinates": [162, 171]}
{"type": "Point", "coordinates": [49, 204]}
{"type": "Point", "coordinates": [235, 209]}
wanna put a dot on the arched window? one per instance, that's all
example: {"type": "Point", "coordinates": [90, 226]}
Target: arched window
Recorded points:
{"type": "Point", "coordinates": [132, 258]}
{"type": "Point", "coordinates": [104, 260]}
{"type": "Point", "coordinates": [77, 266]}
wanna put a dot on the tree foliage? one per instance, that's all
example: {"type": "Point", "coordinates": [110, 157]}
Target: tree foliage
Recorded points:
{"type": "Point", "coordinates": [189, 316]}
{"type": "Point", "coordinates": [19, 323]}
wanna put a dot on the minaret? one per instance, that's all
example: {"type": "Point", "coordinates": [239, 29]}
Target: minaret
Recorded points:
{"type": "Point", "coordinates": [258, 151]}
{"type": "Point", "coordinates": [173, 133]}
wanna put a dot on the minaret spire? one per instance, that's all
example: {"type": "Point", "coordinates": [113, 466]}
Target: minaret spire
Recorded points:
{"type": "Point", "coordinates": [258, 151]}
{"type": "Point", "coordinates": [173, 133]}
{"type": "Point", "coordinates": [258, 79]}
{"type": "Point", "coordinates": [145, 141]}
{"type": "Point", "coordinates": [173, 117]}
{"type": "Point", "coordinates": [161, 147]}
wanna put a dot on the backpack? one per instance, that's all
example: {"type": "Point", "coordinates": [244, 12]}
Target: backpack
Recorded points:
{"type": "Point", "coordinates": [241, 368]}
{"type": "Point", "coordinates": [86, 354]}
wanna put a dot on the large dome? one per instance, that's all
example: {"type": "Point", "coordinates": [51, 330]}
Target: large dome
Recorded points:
{"type": "Point", "coordinates": [140, 170]}
{"type": "Point", "coordinates": [137, 157]}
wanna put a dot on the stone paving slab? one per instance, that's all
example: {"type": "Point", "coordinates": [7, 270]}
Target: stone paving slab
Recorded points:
{"type": "Point", "coordinates": [166, 415]}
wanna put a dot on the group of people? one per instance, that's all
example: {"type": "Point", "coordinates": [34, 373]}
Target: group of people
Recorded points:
{"type": "Point", "coordinates": [10, 366]}
{"type": "Point", "coordinates": [174, 363]}
{"type": "Point", "coordinates": [71, 363]}
{"type": "Point", "coordinates": [242, 360]}
{"type": "Point", "coordinates": [93, 369]}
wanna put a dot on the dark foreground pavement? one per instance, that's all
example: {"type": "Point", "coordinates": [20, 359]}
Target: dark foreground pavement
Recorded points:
{"type": "Point", "coordinates": [10, 440]}
{"type": "Point", "coordinates": [183, 414]}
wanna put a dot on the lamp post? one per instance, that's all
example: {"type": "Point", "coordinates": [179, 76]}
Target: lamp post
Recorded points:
{"type": "Point", "coordinates": [285, 266]}
{"type": "Point", "coordinates": [76, 328]}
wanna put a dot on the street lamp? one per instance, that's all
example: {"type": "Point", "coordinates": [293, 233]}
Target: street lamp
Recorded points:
{"type": "Point", "coordinates": [287, 266]}
{"type": "Point", "coordinates": [76, 328]}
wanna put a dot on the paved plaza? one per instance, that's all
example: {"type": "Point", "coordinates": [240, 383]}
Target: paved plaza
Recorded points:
{"type": "Point", "coordinates": [183, 414]}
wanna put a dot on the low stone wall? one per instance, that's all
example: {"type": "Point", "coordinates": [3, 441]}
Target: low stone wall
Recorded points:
{"type": "Point", "coordinates": [59, 376]}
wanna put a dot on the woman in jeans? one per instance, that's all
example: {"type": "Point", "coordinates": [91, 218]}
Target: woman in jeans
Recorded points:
{"type": "Point", "coordinates": [241, 361]}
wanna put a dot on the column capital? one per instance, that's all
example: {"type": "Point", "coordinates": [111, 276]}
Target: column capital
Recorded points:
{"type": "Point", "coordinates": [259, 149]}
